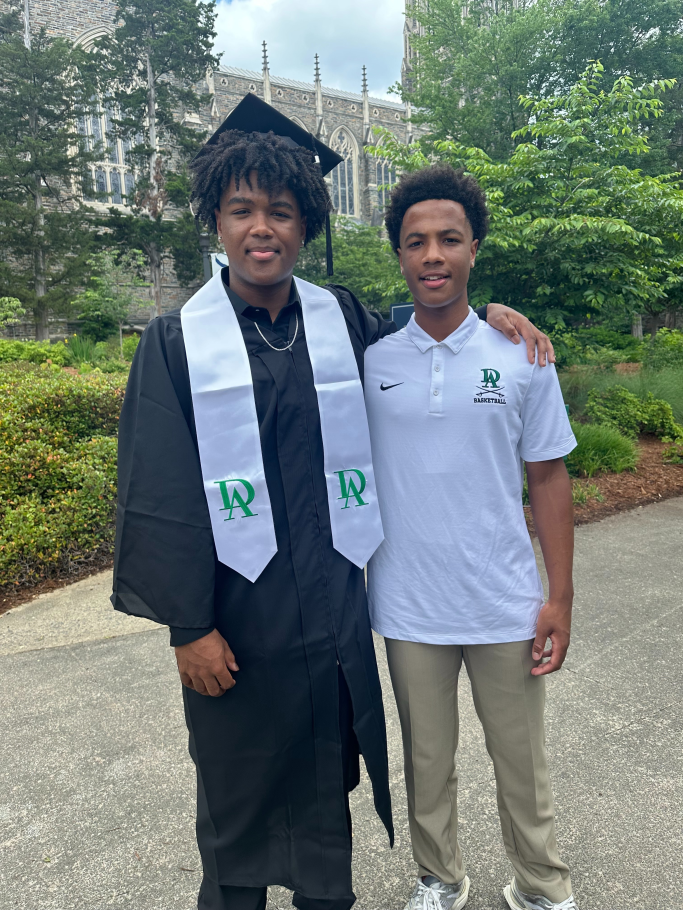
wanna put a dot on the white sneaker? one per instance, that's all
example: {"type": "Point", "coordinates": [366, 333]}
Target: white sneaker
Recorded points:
{"type": "Point", "coordinates": [432, 894]}
{"type": "Point", "coordinates": [518, 900]}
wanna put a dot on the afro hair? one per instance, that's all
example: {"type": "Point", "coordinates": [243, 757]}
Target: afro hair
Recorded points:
{"type": "Point", "coordinates": [235, 155]}
{"type": "Point", "coordinates": [439, 181]}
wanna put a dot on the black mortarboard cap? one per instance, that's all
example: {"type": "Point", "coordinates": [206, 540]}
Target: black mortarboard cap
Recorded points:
{"type": "Point", "coordinates": [252, 115]}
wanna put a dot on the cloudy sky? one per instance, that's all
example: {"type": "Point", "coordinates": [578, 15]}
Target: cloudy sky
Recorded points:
{"type": "Point", "coordinates": [346, 35]}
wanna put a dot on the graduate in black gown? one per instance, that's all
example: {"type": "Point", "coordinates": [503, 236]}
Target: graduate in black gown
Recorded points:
{"type": "Point", "coordinates": [281, 688]}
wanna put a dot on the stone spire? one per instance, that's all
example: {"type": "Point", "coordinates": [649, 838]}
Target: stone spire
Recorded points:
{"type": "Point", "coordinates": [267, 93]}
{"type": "Point", "coordinates": [366, 108]}
{"type": "Point", "coordinates": [319, 124]}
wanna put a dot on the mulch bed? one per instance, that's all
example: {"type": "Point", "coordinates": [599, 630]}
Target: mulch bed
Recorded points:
{"type": "Point", "coordinates": [652, 481]}
{"type": "Point", "coordinates": [12, 596]}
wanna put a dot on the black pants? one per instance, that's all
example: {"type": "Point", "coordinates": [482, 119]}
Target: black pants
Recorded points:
{"type": "Point", "coordinates": [226, 897]}
{"type": "Point", "coordinates": [213, 896]}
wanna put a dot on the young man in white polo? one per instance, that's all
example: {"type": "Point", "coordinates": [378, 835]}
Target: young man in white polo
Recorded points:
{"type": "Point", "coordinates": [454, 412]}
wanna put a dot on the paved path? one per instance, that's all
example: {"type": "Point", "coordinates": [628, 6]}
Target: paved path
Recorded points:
{"type": "Point", "coordinates": [97, 790]}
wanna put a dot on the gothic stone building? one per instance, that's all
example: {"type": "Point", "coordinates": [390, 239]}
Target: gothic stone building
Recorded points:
{"type": "Point", "coordinates": [342, 119]}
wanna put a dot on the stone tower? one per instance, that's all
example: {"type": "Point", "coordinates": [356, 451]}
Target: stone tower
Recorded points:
{"type": "Point", "coordinates": [411, 29]}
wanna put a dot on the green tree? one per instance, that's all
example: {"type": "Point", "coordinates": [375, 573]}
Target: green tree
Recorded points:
{"type": "Point", "coordinates": [152, 63]}
{"type": "Point", "coordinates": [11, 311]}
{"type": "Point", "coordinates": [363, 262]}
{"type": "Point", "coordinates": [477, 57]}
{"type": "Point", "coordinates": [45, 237]}
{"type": "Point", "coordinates": [109, 299]}
{"type": "Point", "coordinates": [574, 233]}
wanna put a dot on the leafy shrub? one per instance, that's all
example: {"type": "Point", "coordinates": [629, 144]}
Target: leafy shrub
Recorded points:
{"type": "Point", "coordinates": [130, 345]}
{"type": "Point", "coordinates": [665, 350]}
{"type": "Point", "coordinates": [674, 453]}
{"type": "Point", "coordinates": [596, 346]}
{"type": "Point", "coordinates": [57, 470]}
{"type": "Point", "coordinates": [35, 352]}
{"type": "Point", "coordinates": [665, 384]}
{"type": "Point", "coordinates": [621, 409]}
{"type": "Point", "coordinates": [600, 448]}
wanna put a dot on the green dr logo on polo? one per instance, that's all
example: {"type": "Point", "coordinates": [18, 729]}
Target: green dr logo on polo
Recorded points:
{"type": "Point", "coordinates": [237, 501]}
{"type": "Point", "coordinates": [348, 487]}
{"type": "Point", "coordinates": [491, 378]}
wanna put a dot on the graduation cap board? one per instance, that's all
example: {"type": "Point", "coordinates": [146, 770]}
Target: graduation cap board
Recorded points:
{"type": "Point", "coordinates": [252, 115]}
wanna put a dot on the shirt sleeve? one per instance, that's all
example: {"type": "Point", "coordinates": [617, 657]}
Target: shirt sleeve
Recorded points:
{"type": "Point", "coordinates": [546, 433]}
{"type": "Point", "coordinates": [164, 561]}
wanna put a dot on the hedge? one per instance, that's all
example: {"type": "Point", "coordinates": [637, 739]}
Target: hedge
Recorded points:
{"type": "Point", "coordinates": [57, 470]}
{"type": "Point", "coordinates": [35, 352]}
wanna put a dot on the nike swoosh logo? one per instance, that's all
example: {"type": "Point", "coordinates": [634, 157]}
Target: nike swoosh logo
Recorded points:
{"type": "Point", "coordinates": [383, 387]}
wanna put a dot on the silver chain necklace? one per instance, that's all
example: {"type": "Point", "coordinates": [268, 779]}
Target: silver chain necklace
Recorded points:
{"type": "Point", "coordinates": [287, 346]}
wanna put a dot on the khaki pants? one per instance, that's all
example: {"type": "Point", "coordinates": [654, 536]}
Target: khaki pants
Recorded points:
{"type": "Point", "coordinates": [509, 702]}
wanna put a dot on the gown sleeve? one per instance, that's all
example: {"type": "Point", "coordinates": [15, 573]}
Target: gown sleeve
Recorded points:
{"type": "Point", "coordinates": [164, 564]}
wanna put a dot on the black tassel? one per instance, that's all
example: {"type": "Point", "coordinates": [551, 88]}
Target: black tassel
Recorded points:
{"type": "Point", "coordinates": [328, 237]}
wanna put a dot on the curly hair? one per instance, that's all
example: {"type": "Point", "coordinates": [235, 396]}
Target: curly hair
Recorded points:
{"type": "Point", "coordinates": [278, 165]}
{"type": "Point", "coordinates": [439, 181]}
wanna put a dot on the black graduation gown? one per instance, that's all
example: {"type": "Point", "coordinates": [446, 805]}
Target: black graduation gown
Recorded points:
{"type": "Point", "coordinates": [272, 804]}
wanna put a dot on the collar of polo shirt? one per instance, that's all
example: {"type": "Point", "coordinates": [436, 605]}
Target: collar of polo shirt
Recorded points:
{"type": "Point", "coordinates": [455, 340]}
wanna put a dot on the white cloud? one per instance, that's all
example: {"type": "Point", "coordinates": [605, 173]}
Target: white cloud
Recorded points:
{"type": "Point", "coordinates": [346, 35]}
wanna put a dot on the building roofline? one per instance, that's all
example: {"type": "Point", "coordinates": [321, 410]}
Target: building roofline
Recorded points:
{"type": "Point", "coordinates": [254, 76]}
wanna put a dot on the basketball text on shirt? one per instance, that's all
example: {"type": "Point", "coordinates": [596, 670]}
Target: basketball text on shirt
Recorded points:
{"type": "Point", "coordinates": [489, 390]}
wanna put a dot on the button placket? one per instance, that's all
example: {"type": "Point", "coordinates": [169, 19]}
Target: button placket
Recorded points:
{"type": "Point", "coordinates": [436, 384]}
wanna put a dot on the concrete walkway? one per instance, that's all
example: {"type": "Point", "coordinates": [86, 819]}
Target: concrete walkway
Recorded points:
{"type": "Point", "coordinates": [97, 790]}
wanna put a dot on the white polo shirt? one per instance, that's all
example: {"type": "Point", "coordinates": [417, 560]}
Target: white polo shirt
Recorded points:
{"type": "Point", "coordinates": [451, 424]}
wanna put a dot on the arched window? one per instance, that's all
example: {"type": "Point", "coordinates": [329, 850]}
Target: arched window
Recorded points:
{"type": "Point", "coordinates": [98, 132]}
{"type": "Point", "coordinates": [344, 175]}
{"type": "Point", "coordinates": [115, 181]}
{"type": "Point", "coordinates": [385, 178]}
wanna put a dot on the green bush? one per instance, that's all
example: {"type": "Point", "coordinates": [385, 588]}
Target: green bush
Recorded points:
{"type": "Point", "coordinates": [600, 448]}
{"type": "Point", "coordinates": [57, 470]}
{"type": "Point", "coordinates": [674, 453]}
{"type": "Point", "coordinates": [130, 344]}
{"type": "Point", "coordinates": [621, 409]}
{"type": "Point", "coordinates": [35, 352]}
{"type": "Point", "coordinates": [665, 350]}
{"type": "Point", "coordinates": [597, 347]}
{"type": "Point", "coordinates": [665, 384]}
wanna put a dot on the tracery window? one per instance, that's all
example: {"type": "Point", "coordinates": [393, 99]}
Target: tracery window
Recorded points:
{"type": "Point", "coordinates": [113, 177]}
{"type": "Point", "coordinates": [344, 175]}
{"type": "Point", "coordinates": [385, 178]}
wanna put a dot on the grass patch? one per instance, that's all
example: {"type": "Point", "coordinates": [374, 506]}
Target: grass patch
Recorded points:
{"type": "Point", "coordinates": [600, 448]}
{"type": "Point", "coordinates": [583, 492]}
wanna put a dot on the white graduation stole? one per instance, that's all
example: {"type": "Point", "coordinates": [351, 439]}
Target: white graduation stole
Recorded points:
{"type": "Point", "coordinates": [228, 431]}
